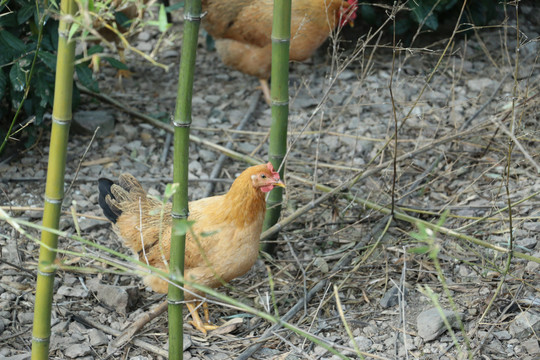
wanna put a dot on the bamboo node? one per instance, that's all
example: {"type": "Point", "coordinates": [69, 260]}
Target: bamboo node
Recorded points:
{"type": "Point", "coordinates": [280, 40]}
{"type": "Point", "coordinates": [175, 302]}
{"type": "Point", "coordinates": [61, 121]}
{"type": "Point", "coordinates": [190, 17]}
{"type": "Point", "coordinates": [175, 215]}
{"type": "Point", "coordinates": [181, 124]}
{"type": "Point", "coordinates": [53, 201]}
{"type": "Point", "coordinates": [41, 340]}
{"type": "Point", "coordinates": [280, 103]}
{"type": "Point", "coordinates": [43, 273]}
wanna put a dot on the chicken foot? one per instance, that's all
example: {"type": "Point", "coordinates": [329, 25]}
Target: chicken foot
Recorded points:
{"type": "Point", "coordinates": [266, 91]}
{"type": "Point", "coordinates": [197, 323]}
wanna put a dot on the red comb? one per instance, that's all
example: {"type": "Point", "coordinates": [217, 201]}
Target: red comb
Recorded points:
{"type": "Point", "coordinates": [350, 13]}
{"type": "Point", "coordinates": [270, 167]}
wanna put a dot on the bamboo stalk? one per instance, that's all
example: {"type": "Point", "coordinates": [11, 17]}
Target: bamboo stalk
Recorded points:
{"type": "Point", "coordinates": [180, 210]}
{"type": "Point", "coordinates": [54, 190]}
{"type": "Point", "coordinates": [279, 93]}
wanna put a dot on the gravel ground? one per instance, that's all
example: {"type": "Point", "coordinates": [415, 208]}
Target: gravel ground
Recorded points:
{"type": "Point", "coordinates": [454, 139]}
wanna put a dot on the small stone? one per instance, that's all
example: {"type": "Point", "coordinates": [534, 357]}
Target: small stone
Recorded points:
{"type": "Point", "coordinates": [528, 243]}
{"type": "Point", "coordinates": [430, 323]}
{"type": "Point", "coordinates": [76, 291]}
{"type": "Point", "coordinates": [524, 324]}
{"type": "Point", "coordinates": [145, 46]}
{"type": "Point", "coordinates": [207, 156]}
{"type": "Point", "coordinates": [481, 84]}
{"type": "Point", "coordinates": [213, 99]}
{"type": "Point", "coordinates": [363, 343]}
{"type": "Point", "coordinates": [86, 122]}
{"type": "Point", "coordinates": [86, 224]}
{"type": "Point", "coordinates": [119, 298]}
{"type": "Point", "coordinates": [531, 346]}
{"type": "Point", "coordinates": [321, 264]}
{"type": "Point", "coordinates": [77, 350]}
{"type": "Point", "coordinates": [97, 337]}
{"type": "Point", "coordinates": [502, 335]}
{"type": "Point", "coordinates": [319, 350]}
{"type": "Point", "coordinates": [144, 36]}
{"type": "Point", "coordinates": [25, 356]}
{"type": "Point", "coordinates": [25, 317]}
{"type": "Point", "coordinates": [391, 298]}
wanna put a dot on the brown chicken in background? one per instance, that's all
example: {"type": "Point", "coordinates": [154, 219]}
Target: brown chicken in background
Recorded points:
{"type": "Point", "coordinates": [223, 242]}
{"type": "Point", "coordinates": [242, 31]}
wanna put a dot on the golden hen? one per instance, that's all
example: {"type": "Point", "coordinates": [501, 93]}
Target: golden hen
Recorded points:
{"type": "Point", "coordinates": [223, 242]}
{"type": "Point", "coordinates": [242, 30]}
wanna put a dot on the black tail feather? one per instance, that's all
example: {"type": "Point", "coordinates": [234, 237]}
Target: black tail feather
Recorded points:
{"type": "Point", "coordinates": [104, 186]}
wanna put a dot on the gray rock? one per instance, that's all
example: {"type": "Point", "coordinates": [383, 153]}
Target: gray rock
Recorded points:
{"type": "Point", "coordinates": [75, 291]}
{"type": "Point", "coordinates": [145, 46]}
{"type": "Point", "coordinates": [144, 36]}
{"type": "Point", "coordinates": [524, 324]}
{"type": "Point", "coordinates": [532, 226]}
{"type": "Point", "coordinates": [97, 337]}
{"type": "Point", "coordinates": [481, 84]}
{"type": "Point", "coordinates": [120, 298]}
{"type": "Point", "coordinates": [77, 350]}
{"type": "Point", "coordinates": [363, 343]}
{"type": "Point", "coordinates": [502, 335]}
{"type": "Point", "coordinates": [86, 224]}
{"type": "Point", "coordinates": [18, 357]}
{"type": "Point", "coordinates": [25, 317]}
{"type": "Point", "coordinates": [86, 122]}
{"type": "Point", "coordinates": [532, 347]}
{"type": "Point", "coordinates": [528, 243]}
{"type": "Point", "coordinates": [207, 155]}
{"type": "Point", "coordinates": [430, 323]}
{"type": "Point", "coordinates": [391, 298]}
{"type": "Point", "coordinates": [305, 101]}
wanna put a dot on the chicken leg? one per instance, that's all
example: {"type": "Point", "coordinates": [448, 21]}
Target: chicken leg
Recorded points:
{"type": "Point", "coordinates": [197, 323]}
{"type": "Point", "coordinates": [266, 91]}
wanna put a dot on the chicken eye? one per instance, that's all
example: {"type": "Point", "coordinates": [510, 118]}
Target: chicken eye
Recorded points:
{"type": "Point", "coordinates": [263, 176]}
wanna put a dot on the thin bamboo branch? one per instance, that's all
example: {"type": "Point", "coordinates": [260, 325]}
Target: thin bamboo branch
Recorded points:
{"type": "Point", "coordinates": [279, 93]}
{"type": "Point", "coordinates": [54, 191]}
{"type": "Point", "coordinates": [180, 211]}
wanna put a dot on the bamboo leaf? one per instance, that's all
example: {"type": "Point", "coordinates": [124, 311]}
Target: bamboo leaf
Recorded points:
{"type": "Point", "coordinates": [48, 59]}
{"type": "Point", "coordinates": [95, 49]}
{"type": "Point", "coordinates": [163, 24]}
{"type": "Point", "coordinates": [73, 30]}
{"type": "Point", "coordinates": [15, 44]}
{"type": "Point", "coordinates": [115, 63]}
{"type": "Point", "coordinates": [17, 77]}
{"type": "Point", "coordinates": [3, 84]}
{"type": "Point", "coordinates": [25, 13]}
{"type": "Point", "coordinates": [122, 19]}
{"type": "Point", "coordinates": [84, 73]}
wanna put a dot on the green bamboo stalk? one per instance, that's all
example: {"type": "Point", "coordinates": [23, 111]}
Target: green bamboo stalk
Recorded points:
{"type": "Point", "coordinates": [279, 94]}
{"type": "Point", "coordinates": [180, 211]}
{"type": "Point", "coordinates": [54, 189]}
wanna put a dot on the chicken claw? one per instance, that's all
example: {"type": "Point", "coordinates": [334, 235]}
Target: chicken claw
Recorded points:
{"type": "Point", "coordinates": [197, 323]}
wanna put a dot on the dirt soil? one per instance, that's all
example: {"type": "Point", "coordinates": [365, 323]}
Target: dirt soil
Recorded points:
{"type": "Point", "coordinates": [467, 147]}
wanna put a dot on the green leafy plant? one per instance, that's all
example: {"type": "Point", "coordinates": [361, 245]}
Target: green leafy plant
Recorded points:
{"type": "Point", "coordinates": [29, 42]}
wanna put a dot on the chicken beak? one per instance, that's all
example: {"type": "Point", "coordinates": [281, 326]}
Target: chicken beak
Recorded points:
{"type": "Point", "coordinates": [351, 23]}
{"type": "Point", "coordinates": [279, 183]}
